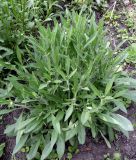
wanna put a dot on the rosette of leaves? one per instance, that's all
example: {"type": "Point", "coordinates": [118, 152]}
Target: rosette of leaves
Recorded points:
{"type": "Point", "coordinates": [71, 82]}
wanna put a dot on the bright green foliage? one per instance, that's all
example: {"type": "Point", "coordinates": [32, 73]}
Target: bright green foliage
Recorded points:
{"type": "Point", "coordinates": [20, 16]}
{"type": "Point", "coordinates": [131, 53]}
{"type": "Point", "coordinates": [70, 83]}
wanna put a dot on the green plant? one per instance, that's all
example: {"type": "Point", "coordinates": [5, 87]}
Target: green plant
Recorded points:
{"type": "Point", "coordinates": [70, 82]}
{"type": "Point", "coordinates": [18, 17]}
{"type": "Point", "coordinates": [2, 148]}
{"type": "Point", "coordinates": [131, 50]}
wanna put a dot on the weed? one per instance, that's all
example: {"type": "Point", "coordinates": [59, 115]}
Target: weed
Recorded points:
{"type": "Point", "coordinates": [70, 82]}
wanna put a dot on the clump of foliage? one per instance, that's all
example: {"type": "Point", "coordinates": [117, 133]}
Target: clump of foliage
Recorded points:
{"type": "Point", "coordinates": [131, 50]}
{"type": "Point", "coordinates": [70, 82]}
{"type": "Point", "coordinates": [19, 17]}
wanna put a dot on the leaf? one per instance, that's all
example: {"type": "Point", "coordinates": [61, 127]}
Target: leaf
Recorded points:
{"type": "Point", "coordinates": [95, 90]}
{"type": "Point", "coordinates": [19, 54]}
{"type": "Point", "coordinates": [42, 86]}
{"type": "Point", "coordinates": [30, 3]}
{"type": "Point", "coordinates": [119, 120]}
{"type": "Point", "coordinates": [33, 150]}
{"type": "Point", "coordinates": [106, 140]}
{"type": "Point", "coordinates": [2, 146]}
{"type": "Point", "coordinates": [21, 143]}
{"type": "Point", "coordinates": [56, 124]}
{"type": "Point", "coordinates": [81, 134]}
{"type": "Point", "coordinates": [119, 105]}
{"type": "Point", "coordinates": [9, 129]}
{"type": "Point", "coordinates": [23, 124]}
{"type": "Point", "coordinates": [47, 150]}
{"type": "Point", "coordinates": [131, 95]}
{"type": "Point", "coordinates": [67, 64]}
{"type": "Point", "coordinates": [120, 93]}
{"type": "Point", "coordinates": [85, 116]}
{"type": "Point", "coordinates": [109, 85]}
{"type": "Point", "coordinates": [60, 115]}
{"type": "Point", "coordinates": [54, 137]}
{"type": "Point", "coordinates": [19, 135]}
{"type": "Point", "coordinates": [91, 40]}
{"type": "Point", "coordinates": [69, 112]}
{"type": "Point", "coordinates": [111, 133]}
{"type": "Point", "coordinates": [123, 122]}
{"type": "Point", "coordinates": [60, 146]}
{"type": "Point", "coordinates": [31, 126]}
{"type": "Point", "coordinates": [3, 101]}
{"type": "Point", "coordinates": [93, 130]}
{"type": "Point", "coordinates": [18, 123]}
{"type": "Point", "coordinates": [72, 73]}
{"type": "Point", "coordinates": [129, 82]}
{"type": "Point", "coordinates": [70, 134]}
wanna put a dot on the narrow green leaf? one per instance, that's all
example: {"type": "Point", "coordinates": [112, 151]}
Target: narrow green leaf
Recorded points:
{"type": "Point", "coordinates": [123, 122]}
{"type": "Point", "coordinates": [20, 144]}
{"type": "Point", "coordinates": [72, 73]}
{"type": "Point", "coordinates": [3, 101]}
{"type": "Point", "coordinates": [60, 146]}
{"type": "Point", "coordinates": [56, 124]}
{"type": "Point", "coordinates": [93, 130]}
{"type": "Point", "coordinates": [2, 146]}
{"type": "Point", "coordinates": [25, 123]}
{"type": "Point", "coordinates": [42, 86]}
{"type": "Point", "coordinates": [60, 115]}
{"type": "Point", "coordinates": [69, 112]}
{"type": "Point", "coordinates": [131, 95]}
{"type": "Point", "coordinates": [129, 82]}
{"type": "Point", "coordinates": [85, 116]}
{"type": "Point", "coordinates": [19, 54]}
{"type": "Point", "coordinates": [9, 129]}
{"type": "Point", "coordinates": [95, 90]}
{"type": "Point", "coordinates": [33, 150]}
{"type": "Point", "coordinates": [119, 120]}
{"type": "Point", "coordinates": [47, 150]}
{"type": "Point", "coordinates": [31, 126]}
{"type": "Point", "coordinates": [111, 133]}
{"type": "Point", "coordinates": [70, 134]}
{"type": "Point", "coordinates": [109, 85]}
{"type": "Point", "coordinates": [19, 135]}
{"type": "Point", "coordinates": [120, 105]}
{"type": "Point", "coordinates": [54, 137]}
{"type": "Point", "coordinates": [91, 40]}
{"type": "Point", "coordinates": [81, 134]}
{"type": "Point", "coordinates": [120, 93]}
{"type": "Point", "coordinates": [106, 140]}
